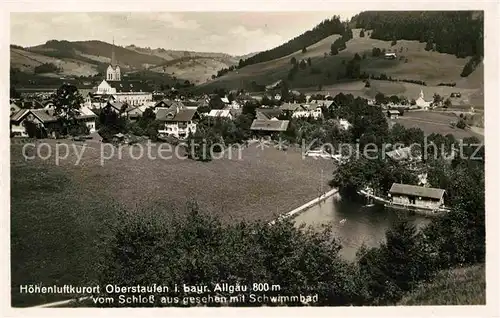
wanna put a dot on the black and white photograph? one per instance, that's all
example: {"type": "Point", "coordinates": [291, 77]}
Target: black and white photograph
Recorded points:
{"type": "Point", "coordinates": [329, 157]}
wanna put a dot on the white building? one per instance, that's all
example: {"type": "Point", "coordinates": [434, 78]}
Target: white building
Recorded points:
{"type": "Point", "coordinates": [421, 103]}
{"type": "Point", "coordinates": [177, 121]}
{"type": "Point", "coordinates": [134, 93]}
{"type": "Point", "coordinates": [302, 110]}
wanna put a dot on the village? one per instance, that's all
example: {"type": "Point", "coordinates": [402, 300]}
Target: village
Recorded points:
{"type": "Point", "coordinates": [346, 163]}
{"type": "Point", "coordinates": [179, 117]}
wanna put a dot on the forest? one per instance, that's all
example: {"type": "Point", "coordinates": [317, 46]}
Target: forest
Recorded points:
{"type": "Point", "coordinates": [454, 32]}
{"type": "Point", "coordinates": [319, 32]}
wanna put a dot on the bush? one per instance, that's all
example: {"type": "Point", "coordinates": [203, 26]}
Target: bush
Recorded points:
{"type": "Point", "coordinates": [198, 249]}
{"type": "Point", "coordinates": [461, 124]}
{"type": "Point", "coordinates": [46, 68]}
{"type": "Point", "coordinates": [471, 66]}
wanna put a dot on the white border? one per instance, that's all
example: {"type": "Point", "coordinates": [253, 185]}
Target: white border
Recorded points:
{"type": "Point", "coordinates": [492, 97]}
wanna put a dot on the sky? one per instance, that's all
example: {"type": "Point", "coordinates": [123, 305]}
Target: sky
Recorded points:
{"type": "Point", "coordinates": [235, 33]}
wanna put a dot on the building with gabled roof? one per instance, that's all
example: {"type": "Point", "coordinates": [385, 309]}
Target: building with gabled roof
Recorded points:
{"type": "Point", "coordinates": [220, 113]}
{"type": "Point", "coordinates": [413, 196]}
{"type": "Point", "coordinates": [46, 120]}
{"type": "Point", "coordinates": [177, 121]}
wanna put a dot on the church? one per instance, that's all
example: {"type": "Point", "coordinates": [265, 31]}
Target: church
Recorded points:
{"type": "Point", "coordinates": [134, 93]}
{"type": "Point", "coordinates": [113, 73]}
{"type": "Point", "coordinates": [420, 102]}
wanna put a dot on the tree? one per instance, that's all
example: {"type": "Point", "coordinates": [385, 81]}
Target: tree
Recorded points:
{"type": "Point", "coordinates": [376, 52]}
{"type": "Point", "coordinates": [437, 99]}
{"type": "Point", "coordinates": [334, 50]}
{"type": "Point", "coordinates": [461, 124]}
{"type": "Point", "coordinates": [447, 103]}
{"type": "Point", "coordinates": [302, 64]}
{"type": "Point", "coordinates": [198, 249]}
{"type": "Point", "coordinates": [362, 34]}
{"type": "Point", "coordinates": [309, 61]}
{"type": "Point", "coordinates": [429, 46]}
{"type": "Point", "coordinates": [293, 60]}
{"type": "Point", "coordinates": [67, 103]}
{"type": "Point", "coordinates": [380, 99]}
{"type": "Point", "coordinates": [304, 49]}
{"type": "Point", "coordinates": [367, 84]}
{"type": "Point", "coordinates": [397, 265]}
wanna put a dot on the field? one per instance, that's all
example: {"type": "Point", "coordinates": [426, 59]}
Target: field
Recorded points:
{"type": "Point", "coordinates": [27, 61]}
{"type": "Point", "coordinates": [431, 67]}
{"type": "Point", "coordinates": [62, 215]}
{"type": "Point", "coordinates": [435, 122]}
{"type": "Point", "coordinates": [462, 286]}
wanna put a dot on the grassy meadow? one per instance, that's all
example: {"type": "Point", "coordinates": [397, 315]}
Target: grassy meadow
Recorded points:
{"type": "Point", "coordinates": [435, 122]}
{"type": "Point", "coordinates": [431, 67]}
{"type": "Point", "coordinates": [62, 216]}
{"type": "Point", "coordinates": [461, 286]}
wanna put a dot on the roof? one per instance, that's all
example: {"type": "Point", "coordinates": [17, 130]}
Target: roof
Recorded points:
{"type": "Point", "coordinates": [326, 103]}
{"type": "Point", "coordinates": [219, 113]}
{"type": "Point", "coordinates": [169, 103]}
{"type": "Point", "coordinates": [290, 106]}
{"type": "Point", "coordinates": [171, 114]}
{"type": "Point", "coordinates": [18, 115]}
{"type": "Point", "coordinates": [274, 85]}
{"type": "Point", "coordinates": [269, 125]}
{"type": "Point", "coordinates": [267, 113]}
{"type": "Point", "coordinates": [44, 115]}
{"type": "Point", "coordinates": [393, 111]}
{"type": "Point", "coordinates": [400, 154]}
{"type": "Point", "coordinates": [225, 100]}
{"type": "Point", "coordinates": [434, 193]}
{"type": "Point", "coordinates": [130, 86]}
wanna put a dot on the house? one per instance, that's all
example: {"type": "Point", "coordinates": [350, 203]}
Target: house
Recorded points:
{"type": "Point", "coordinates": [393, 114]}
{"type": "Point", "coordinates": [119, 107]}
{"type": "Point", "coordinates": [45, 119]}
{"type": "Point", "coordinates": [416, 196]}
{"type": "Point", "coordinates": [390, 56]}
{"type": "Point", "coordinates": [405, 153]}
{"type": "Point", "coordinates": [220, 113]}
{"type": "Point", "coordinates": [344, 124]}
{"type": "Point", "coordinates": [135, 113]}
{"type": "Point", "coordinates": [266, 127]}
{"type": "Point", "coordinates": [177, 121]}
{"type": "Point", "coordinates": [323, 103]}
{"type": "Point", "coordinates": [421, 103]}
{"type": "Point", "coordinates": [167, 103]}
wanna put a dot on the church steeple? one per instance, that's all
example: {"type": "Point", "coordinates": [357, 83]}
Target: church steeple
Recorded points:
{"type": "Point", "coordinates": [113, 73]}
{"type": "Point", "coordinates": [113, 58]}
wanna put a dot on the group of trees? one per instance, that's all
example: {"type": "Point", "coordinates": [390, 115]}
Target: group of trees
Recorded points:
{"type": "Point", "coordinates": [46, 68]}
{"type": "Point", "coordinates": [455, 32]}
{"type": "Point", "coordinates": [337, 46]}
{"type": "Point", "coordinates": [321, 31]}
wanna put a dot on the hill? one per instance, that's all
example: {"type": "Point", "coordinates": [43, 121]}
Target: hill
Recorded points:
{"type": "Point", "coordinates": [87, 58]}
{"type": "Point", "coordinates": [197, 67]}
{"type": "Point", "coordinates": [413, 63]}
{"type": "Point", "coordinates": [26, 61]}
{"type": "Point", "coordinates": [462, 286]}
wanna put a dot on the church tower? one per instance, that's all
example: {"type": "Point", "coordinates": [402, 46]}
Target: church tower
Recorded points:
{"type": "Point", "coordinates": [113, 72]}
